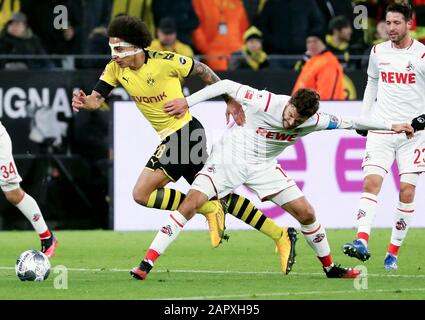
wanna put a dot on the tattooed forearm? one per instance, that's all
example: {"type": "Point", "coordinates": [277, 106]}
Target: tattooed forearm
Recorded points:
{"type": "Point", "coordinates": [207, 75]}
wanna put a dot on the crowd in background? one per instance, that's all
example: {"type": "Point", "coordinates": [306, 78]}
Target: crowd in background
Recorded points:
{"type": "Point", "coordinates": [226, 34]}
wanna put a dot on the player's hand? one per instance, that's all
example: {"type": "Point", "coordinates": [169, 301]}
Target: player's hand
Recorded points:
{"type": "Point", "coordinates": [177, 107]}
{"type": "Point", "coordinates": [418, 123]}
{"type": "Point", "coordinates": [403, 127]}
{"type": "Point", "coordinates": [78, 100]}
{"type": "Point", "coordinates": [235, 109]}
{"type": "Point", "coordinates": [363, 133]}
{"type": "Point", "coordinates": [81, 101]}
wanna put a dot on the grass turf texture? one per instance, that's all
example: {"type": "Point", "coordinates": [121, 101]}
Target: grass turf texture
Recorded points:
{"type": "Point", "coordinates": [244, 268]}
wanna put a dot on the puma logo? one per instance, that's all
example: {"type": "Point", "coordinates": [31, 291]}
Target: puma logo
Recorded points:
{"type": "Point", "coordinates": [126, 79]}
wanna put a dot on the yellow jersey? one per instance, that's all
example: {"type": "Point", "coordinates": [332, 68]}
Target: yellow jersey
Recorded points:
{"type": "Point", "coordinates": [152, 85]}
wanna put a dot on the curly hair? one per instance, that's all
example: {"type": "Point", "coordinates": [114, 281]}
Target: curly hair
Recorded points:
{"type": "Point", "coordinates": [306, 101]}
{"type": "Point", "coordinates": [132, 30]}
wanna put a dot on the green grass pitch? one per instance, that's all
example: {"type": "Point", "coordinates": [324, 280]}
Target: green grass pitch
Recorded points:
{"type": "Point", "coordinates": [246, 267]}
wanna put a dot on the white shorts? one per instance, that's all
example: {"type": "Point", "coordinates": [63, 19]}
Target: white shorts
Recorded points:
{"type": "Point", "coordinates": [9, 176]}
{"type": "Point", "coordinates": [382, 148]}
{"type": "Point", "coordinates": [264, 179]}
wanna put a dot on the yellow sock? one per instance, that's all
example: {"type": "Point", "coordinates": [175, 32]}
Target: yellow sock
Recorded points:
{"type": "Point", "coordinates": [244, 210]}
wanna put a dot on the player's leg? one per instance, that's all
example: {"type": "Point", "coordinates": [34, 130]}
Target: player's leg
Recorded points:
{"type": "Point", "coordinates": [244, 210]}
{"type": "Point", "coordinates": [9, 182]}
{"type": "Point", "coordinates": [366, 213]}
{"type": "Point", "coordinates": [379, 156]}
{"type": "Point", "coordinates": [166, 166]}
{"type": "Point", "coordinates": [29, 208]}
{"type": "Point", "coordinates": [313, 232]}
{"type": "Point", "coordinates": [402, 218]}
{"type": "Point", "coordinates": [411, 162]}
{"type": "Point", "coordinates": [267, 181]}
{"type": "Point", "coordinates": [202, 190]}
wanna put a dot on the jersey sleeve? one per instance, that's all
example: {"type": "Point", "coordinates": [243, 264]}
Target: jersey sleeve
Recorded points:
{"type": "Point", "coordinates": [325, 121]}
{"type": "Point", "coordinates": [372, 69]}
{"type": "Point", "coordinates": [109, 74]}
{"type": "Point", "coordinates": [180, 65]}
{"type": "Point", "coordinates": [249, 96]}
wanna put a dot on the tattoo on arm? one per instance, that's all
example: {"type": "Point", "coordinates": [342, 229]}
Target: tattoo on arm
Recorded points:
{"type": "Point", "coordinates": [207, 75]}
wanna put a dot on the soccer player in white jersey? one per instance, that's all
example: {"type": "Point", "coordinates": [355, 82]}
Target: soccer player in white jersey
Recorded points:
{"type": "Point", "coordinates": [9, 183]}
{"type": "Point", "coordinates": [247, 156]}
{"type": "Point", "coordinates": [395, 92]}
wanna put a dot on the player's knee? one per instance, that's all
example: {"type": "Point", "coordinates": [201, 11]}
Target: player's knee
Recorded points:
{"type": "Point", "coordinates": [190, 205]}
{"type": "Point", "coordinates": [140, 197]}
{"type": "Point", "coordinates": [307, 215]}
{"type": "Point", "coordinates": [407, 193]}
{"type": "Point", "coordinates": [14, 196]}
{"type": "Point", "coordinates": [372, 184]}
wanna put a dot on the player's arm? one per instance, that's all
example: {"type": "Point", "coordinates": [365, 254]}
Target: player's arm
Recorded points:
{"type": "Point", "coordinates": [209, 77]}
{"type": "Point", "coordinates": [220, 88]}
{"type": "Point", "coordinates": [88, 102]}
{"type": "Point", "coordinates": [330, 122]}
{"type": "Point", "coordinates": [102, 89]}
{"type": "Point", "coordinates": [371, 90]}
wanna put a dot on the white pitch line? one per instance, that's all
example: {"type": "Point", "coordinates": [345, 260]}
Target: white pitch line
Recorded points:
{"type": "Point", "coordinates": [279, 294]}
{"type": "Point", "coordinates": [231, 272]}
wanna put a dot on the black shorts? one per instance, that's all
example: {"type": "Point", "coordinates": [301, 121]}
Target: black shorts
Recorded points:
{"type": "Point", "coordinates": [183, 153]}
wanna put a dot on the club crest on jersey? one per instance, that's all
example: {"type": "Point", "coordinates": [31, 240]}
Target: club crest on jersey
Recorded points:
{"type": "Point", "coordinates": [249, 94]}
{"type": "Point", "coordinates": [410, 67]}
{"type": "Point", "coordinates": [150, 81]}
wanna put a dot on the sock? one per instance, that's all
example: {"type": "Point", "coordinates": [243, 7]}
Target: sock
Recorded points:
{"type": "Point", "coordinates": [315, 236]}
{"type": "Point", "coordinates": [366, 215]}
{"type": "Point", "coordinates": [170, 199]}
{"type": "Point", "coordinates": [28, 206]}
{"type": "Point", "coordinates": [165, 199]}
{"type": "Point", "coordinates": [403, 216]}
{"type": "Point", "coordinates": [165, 236]}
{"type": "Point", "coordinates": [244, 210]}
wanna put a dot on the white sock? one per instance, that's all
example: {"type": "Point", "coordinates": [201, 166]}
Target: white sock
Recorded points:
{"type": "Point", "coordinates": [29, 207]}
{"type": "Point", "coordinates": [169, 232]}
{"type": "Point", "coordinates": [315, 235]}
{"type": "Point", "coordinates": [366, 215]}
{"type": "Point", "coordinates": [402, 218]}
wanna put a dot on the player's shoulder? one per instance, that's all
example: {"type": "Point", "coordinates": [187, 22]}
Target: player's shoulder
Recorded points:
{"type": "Point", "coordinates": [111, 68]}
{"type": "Point", "coordinates": [418, 48]}
{"type": "Point", "coordinates": [167, 57]}
{"type": "Point", "coordinates": [381, 47]}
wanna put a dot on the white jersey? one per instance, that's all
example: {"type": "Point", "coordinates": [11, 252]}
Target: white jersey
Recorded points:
{"type": "Point", "coordinates": [400, 74]}
{"type": "Point", "coordinates": [263, 137]}
{"type": "Point", "coordinates": [2, 129]}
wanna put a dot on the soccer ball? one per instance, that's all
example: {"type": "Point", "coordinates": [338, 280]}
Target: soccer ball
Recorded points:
{"type": "Point", "coordinates": [32, 265]}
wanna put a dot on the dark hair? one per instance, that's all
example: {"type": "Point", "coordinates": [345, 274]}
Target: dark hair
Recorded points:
{"type": "Point", "coordinates": [306, 101]}
{"type": "Point", "coordinates": [404, 8]}
{"type": "Point", "coordinates": [131, 30]}
{"type": "Point", "coordinates": [338, 23]}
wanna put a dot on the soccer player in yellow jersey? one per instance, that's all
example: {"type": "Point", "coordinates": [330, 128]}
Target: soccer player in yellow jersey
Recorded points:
{"type": "Point", "coordinates": [152, 79]}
